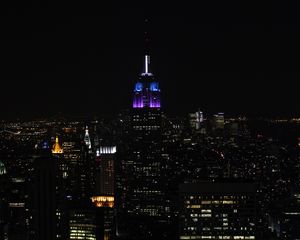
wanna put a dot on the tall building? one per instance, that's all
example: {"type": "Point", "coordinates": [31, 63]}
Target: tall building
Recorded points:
{"type": "Point", "coordinates": [71, 156]}
{"type": "Point", "coordinates": [105, 206]}
{"type": "Point", "coordinates": [105, 190]}
{"type": "Point", "coordinates": [144, 169]}
{"type": "Point", "coordinates": [57, 149]}
{"type": "Point", "coordinates": [105, 172]}
{"type": "Point", "coordinates": [45, 193]}
{"type": "Point", "coordinates": [85, 173]}
{"type": "Point", "coordinates": [217, 210]}
{"type": "Point", "coordinates": [62, 189]}
{"type": "Point", "coordinates": [196, 119]}
{"type": "Point", "coordinates": [18, 209]}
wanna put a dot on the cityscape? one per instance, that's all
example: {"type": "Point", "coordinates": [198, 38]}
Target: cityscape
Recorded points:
{"type": "Point", "coordinates": [143, 172]}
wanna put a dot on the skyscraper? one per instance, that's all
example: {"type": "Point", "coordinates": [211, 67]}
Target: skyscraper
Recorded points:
{"type": "Point", "coordinates": [217, 210]}
{"type": "Point", "coordinates": [105, 174]}
{"type": "Point", "coordinates": [45, 194]}
{"type": "Point", "coordinates": [144, 168]}
{"type": "Point", "coordinates": [87, 138]}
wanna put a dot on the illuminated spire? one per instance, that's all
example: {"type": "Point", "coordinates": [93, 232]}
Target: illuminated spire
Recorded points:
{"type": "Point", "coordinates": [87, 139]}
{"type": "Point", "coordinates": [147, 66]}
{"type": "Point", "coordinates": [57, 149]}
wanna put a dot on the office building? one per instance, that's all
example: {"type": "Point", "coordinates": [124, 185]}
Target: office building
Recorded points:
{"type": "Point", "coordinates": [217, 210]}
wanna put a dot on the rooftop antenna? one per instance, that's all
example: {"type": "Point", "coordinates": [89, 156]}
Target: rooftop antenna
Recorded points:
{"type": "Point", "coordinates": [147, 43]}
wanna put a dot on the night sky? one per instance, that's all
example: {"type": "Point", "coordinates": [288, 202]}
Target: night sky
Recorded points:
{"type": "Point", "coordinates": [83, 59]}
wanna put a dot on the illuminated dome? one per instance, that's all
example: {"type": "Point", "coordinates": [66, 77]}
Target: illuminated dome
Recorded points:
{"type": "Point", "coordinates": [57, 149]}
{"type": "Point", "coordinates": [2, 168]}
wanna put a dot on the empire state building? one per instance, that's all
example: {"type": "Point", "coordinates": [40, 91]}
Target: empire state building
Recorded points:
{"type": "Point", "coordinates": [145, 193]}
{"type": "Point", "coordinates": [146, 92]}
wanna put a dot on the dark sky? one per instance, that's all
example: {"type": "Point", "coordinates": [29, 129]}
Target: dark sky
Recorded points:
{"type": "Point", "coordinates": [82, 58]}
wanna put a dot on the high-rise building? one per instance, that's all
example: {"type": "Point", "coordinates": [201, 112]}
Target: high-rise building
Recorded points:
{"type": "Point", "coordinates": [217, 210]}
{"type": "Point", "coordinates": [18, 209]}
{"type": "Point", "coordinates": [105, 173]}
{"type": "Point", "coordinates": [71, 157]}
{"type": "Point", "coordinates": [87, 138]}
{"type": "Point", "coordinates": [45, 193]}
{"type": "Point", "coordinates": [105, 190]}
{"type": "Point", "coordinates": [85, 173]}
{"type": "Point", "coordinates": [147, 193]}
{"type": "Point", "coordinates": [105, 216]}
{"type": "Point", "coordinates": [57, 149]}
{"type": "Point", "coordinates": [144, 193]}
{"type": "Point", "coordinates": [196, 119]}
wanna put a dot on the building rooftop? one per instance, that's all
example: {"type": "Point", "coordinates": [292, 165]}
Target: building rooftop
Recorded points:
{"type": "Point", "coordinates": [217, 187]}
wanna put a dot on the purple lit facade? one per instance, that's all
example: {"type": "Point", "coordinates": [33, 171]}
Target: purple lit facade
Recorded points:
{"type": "Point", "coordinates": [154, 100]}
{"type": "Point", "coordinates": [146, 91]}
{"type": "Point", "coordinates": [146, 98]}
{"type": "Point", "coordinates": [138, 100]}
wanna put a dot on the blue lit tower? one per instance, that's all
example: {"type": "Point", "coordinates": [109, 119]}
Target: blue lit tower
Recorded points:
{"type": "Point", "coordinates": [146, 91]}
{"type": "Point", "coordinates": [143, 200]}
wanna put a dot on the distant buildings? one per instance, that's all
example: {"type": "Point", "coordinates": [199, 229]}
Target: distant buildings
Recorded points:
{"type": "Point", "coordinates": [218, 121]}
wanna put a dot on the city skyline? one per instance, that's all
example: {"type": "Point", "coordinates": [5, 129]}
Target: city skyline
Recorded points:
{"type": "Point", "coordinates": [150, 121]}
{"type": "Point", "coordinates": [231, 57]}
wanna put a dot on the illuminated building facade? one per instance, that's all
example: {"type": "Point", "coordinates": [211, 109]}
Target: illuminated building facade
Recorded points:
{"type": "Point", "coordinates": [105, 181]}
{"type": "Point", "coordinates": [212, 210]}
{"type": "Point", "coordinates": [2, 168]}
{"type": "Point", "coordinates": [82, 224]}
{"type": "Point", "coordinates": [105, 173]}
{"type": "Point", "coordinates": [142, 197]}
{"type": "Point", "coordinates": [57, 149]}
{"type": "Point", "coordinates": [145, 169]}
{"type": "Point", "coordinates": [146, 91]}
{"type": "Point", "coordinates": [87, 138]}
{"type": "Point", "coordinates": [196, 119]}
